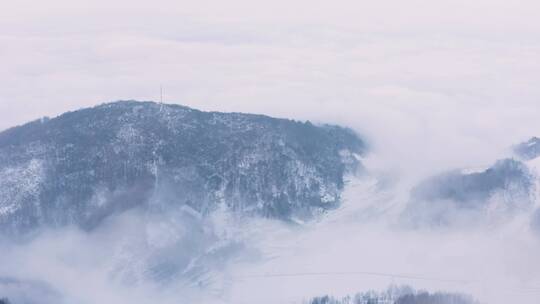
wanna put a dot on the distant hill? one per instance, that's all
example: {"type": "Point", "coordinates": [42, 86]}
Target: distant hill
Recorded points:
{"type": "Point", "coordinates": [503, 189]}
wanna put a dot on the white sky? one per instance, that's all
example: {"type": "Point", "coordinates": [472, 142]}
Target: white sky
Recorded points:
{"type": "Point", "coordinates": [458, 77]}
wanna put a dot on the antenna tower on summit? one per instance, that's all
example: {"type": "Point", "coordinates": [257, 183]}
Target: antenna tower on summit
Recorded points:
{"type": "Point", "coordinates": [160, 97]}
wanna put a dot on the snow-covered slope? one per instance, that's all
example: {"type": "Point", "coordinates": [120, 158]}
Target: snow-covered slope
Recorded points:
{"type": "Point", "coordinates": [502, 192]}
{"type": "Point", "coordinates": [528, 150]}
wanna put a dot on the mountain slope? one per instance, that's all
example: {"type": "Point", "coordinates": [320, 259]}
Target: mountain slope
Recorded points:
{"type": "Point", "coordinates": [528, 150]}
{"type": "Point", "coordinates": [85, 165]}
{"type": "Point", "coordinates": [472, 190]}
{"type": "Point", "coordinates": [503, 189]}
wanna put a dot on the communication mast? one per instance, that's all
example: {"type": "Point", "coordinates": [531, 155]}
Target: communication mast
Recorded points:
{"type": "Point", "coordinates": [160, 97]}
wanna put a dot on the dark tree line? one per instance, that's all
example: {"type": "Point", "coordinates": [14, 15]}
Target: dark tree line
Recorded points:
{"type": "Point", "coordinates": [436, 298]}
{"type": "Point", "coordinates": [396, 295]}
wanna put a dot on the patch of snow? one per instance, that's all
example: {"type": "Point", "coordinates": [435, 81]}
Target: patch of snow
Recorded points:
{"type": "Point", "coordinates": [20, 184]}
{"type": "Point", "coordinates": [472, 170]}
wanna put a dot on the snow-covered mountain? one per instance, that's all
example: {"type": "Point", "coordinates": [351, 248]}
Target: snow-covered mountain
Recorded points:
{"type": "Point", "coordinates": [473, 190]}
{"type": "Point", "coordinates": [506, 188]}
{"type": "Point", "coordinates": [86, 165]}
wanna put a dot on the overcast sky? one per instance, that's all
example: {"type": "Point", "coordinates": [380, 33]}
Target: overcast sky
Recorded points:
{"type": "Point", "coordinates": [453, 74]}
